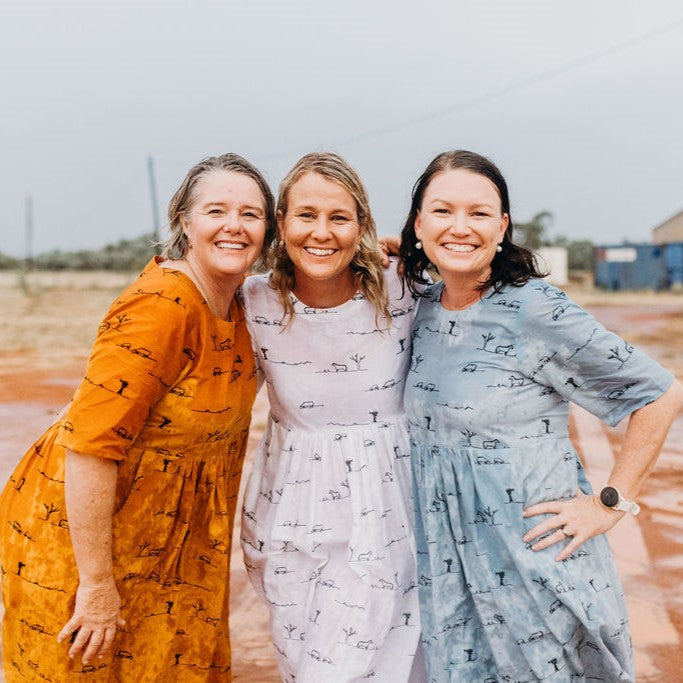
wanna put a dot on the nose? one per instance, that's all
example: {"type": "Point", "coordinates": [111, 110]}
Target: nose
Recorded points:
{"type": "Point", "coordinates": [459, 223]}
{"type": "Point", "coordinates": [321, 228]}
{"type": "Point", "coordinates": [232, 222]}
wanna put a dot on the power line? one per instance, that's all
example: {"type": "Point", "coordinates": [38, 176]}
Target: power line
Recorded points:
{"type": "Point", "coordinates": [511, 87]}
{"type": "Point", "coordinates": [445, 111]}
{"type": "Point", "coordinates": [524, 83]}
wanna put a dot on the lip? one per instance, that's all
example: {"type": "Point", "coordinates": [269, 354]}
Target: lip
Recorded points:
{"type": "Point", "coordinates": [228, 245]}
{"type": "Point", "coordinates": [327, 251]}
{"type": "Point", "coordinates": [459, 247]}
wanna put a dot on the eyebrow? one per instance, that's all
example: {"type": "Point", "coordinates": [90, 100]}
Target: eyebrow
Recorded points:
{"type": "Point", "coordinates": [242, 206]}
{"type": "Point", "coordinates": [309, 207]}
{"type": "Point", "coordinates": [477, 205]}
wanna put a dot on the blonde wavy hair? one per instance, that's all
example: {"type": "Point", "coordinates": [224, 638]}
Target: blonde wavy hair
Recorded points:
{"type": "Point", "coordinates": [365, 265]}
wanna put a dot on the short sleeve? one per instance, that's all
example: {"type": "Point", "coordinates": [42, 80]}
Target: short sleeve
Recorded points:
{"type": "Point", "coordinates": [401, 300]}
{"type": "Point", "coordinates": [135, 360]}
{"type": "Point", "coordinates": [247, 295]}
{"type": "Point", "coordinates": [567, 349]}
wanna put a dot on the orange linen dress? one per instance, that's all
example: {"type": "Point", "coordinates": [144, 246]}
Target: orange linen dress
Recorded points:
{"type": "Point", "coordinates": [167, 394]}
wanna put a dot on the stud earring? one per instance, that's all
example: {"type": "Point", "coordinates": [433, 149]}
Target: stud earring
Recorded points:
{"type": "Point", "coordinates": [499, 248]}
{"type": "Point", "coordinates": [418, 245]}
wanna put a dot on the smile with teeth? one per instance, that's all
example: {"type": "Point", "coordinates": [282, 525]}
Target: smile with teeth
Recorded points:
{"type": "Point", "coordinates": [319, 252]}
{"type": "Point", "coordinates": [231, 245]}
{"type": "Point", "coordinates": [461, 248]}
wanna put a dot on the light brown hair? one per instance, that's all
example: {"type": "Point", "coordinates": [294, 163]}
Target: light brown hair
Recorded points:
{"type": "Point", "coordinates": [366, 264]}
{"type": "Point", "coordinates": [177, 245]}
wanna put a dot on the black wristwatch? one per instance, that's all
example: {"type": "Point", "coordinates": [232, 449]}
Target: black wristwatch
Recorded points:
{"type": "Point", "coordinates": [611, 498]}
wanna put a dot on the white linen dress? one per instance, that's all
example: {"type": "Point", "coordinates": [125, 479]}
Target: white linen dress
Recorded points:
{"type": "Point", "coordinates": [327, 528]}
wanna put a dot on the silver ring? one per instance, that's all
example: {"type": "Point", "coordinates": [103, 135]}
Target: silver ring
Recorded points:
{"type": "Point", "coordinates": [565, 532]}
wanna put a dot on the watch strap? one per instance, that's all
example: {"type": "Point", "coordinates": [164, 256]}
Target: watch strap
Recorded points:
{"type": "Point", "coordinates": [627, 506]}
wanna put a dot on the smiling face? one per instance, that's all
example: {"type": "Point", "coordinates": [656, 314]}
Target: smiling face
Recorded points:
{"type": "Point", "coordinates": [225, 225]}
{"type": "Point", "coordinates": [321, 230]}
{"type": "Point", "coordinates": [460, 224]}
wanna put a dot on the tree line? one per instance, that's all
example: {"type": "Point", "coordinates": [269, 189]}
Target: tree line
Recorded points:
{"type": "Point", "coordinates": [133, 254]}
{"type": "Point", "coordinates": [124, 255]}
{"type": "Point", "coordinates": [533, 235]}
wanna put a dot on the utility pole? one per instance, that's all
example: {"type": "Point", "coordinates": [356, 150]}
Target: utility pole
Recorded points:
{"type": "Point", "coordinates": [155, 204]}
{"type": "Point", "coordinates": [28, 234]}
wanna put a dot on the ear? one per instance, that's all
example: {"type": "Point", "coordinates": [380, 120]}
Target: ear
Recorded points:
{"type": "Point", "coordinates": [280, 218]}
{"type": "Point", "coordinates": [417, 226]}
{"type": "Point", "coordinates": [361, 232]}
{"type": "Point", "coordinates": [504, 222]}
{"type": "Point", "coordinates": [183, 223]}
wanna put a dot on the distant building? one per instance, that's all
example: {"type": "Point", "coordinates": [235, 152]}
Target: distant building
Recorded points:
{"type": "Point", "coordinates": [673, 260]}
{"type": "Point", "coordinates": [554, 262]}
{"type": "Point", "coordinates": [629, 266]}
{"type": "Point", "coordinates": [639, 266]}
{"type": "Point", "coordinates": [669, 231]}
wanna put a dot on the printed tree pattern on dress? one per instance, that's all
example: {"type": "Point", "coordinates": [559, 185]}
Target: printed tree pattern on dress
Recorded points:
{"type": "Point", "coordinates": [488, 396]}
{"type": "Point", "coordinates": [167, 394]}
{"type": "Point", "coordinates": [327, 520]}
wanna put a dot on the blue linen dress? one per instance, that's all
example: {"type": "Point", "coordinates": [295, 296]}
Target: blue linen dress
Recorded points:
{"type": "Point", "coordinates": [488, 397]}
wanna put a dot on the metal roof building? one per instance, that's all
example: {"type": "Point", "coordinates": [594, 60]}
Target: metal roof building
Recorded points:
{"type": "Point", "coordinates": [669, 231]}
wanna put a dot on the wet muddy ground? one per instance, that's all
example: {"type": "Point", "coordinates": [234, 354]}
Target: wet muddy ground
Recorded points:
{"type": "Point", "coordinates": [38, 379]}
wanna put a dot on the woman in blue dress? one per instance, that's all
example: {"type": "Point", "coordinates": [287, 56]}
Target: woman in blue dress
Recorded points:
{"type": "Point", "coordinates": [516, 578]}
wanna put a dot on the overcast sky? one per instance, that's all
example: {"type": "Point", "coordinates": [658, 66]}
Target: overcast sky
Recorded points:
{"type": "Point", "coordinates": [579, 103]}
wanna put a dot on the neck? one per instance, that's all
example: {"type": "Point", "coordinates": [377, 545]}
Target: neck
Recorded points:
{"type": "Point", "coordinates": [460, 292]}
{"type": "Point", "coordinates": [218, 291]}
{"type": "Point", "coordinates": [325, 293]}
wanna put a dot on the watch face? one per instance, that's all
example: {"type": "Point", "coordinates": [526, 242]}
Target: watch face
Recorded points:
{"type": "Point", "coordinates": [609, 496]}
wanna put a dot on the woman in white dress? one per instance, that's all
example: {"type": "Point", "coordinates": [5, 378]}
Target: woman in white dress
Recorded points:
{"type": "Point", "coordinates": [327, 519]}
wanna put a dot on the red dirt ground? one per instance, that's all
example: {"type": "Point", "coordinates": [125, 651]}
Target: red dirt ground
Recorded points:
{"type": "Point", "coordinates": [31, 398]}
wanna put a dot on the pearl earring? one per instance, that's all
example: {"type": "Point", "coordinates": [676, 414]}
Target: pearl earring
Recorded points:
{"type": "Point", "coordinates": [418, 245]}
{"type": "Point", "coordinates": [499, 248]}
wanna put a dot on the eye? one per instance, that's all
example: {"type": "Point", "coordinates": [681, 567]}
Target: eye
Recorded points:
{"type": "Point", "coordinates": [480, 214]}
{"type": "Point", "coordinates": [340, 219]}
{"type": "Point", "coordinates": [214, 212]}
{"type": "Point", "coordinates": [306, 215]}
{"type": "Point", "coordinates": [441, 211]}
{"type": "Point", "coordinates": [251, 214]}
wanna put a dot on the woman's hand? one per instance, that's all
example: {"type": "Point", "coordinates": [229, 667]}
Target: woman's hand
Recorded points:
{"type": "Point", "coordinates": [95, 618]}
{"type": "Point", "coordinates": [576, 519]}
{"type": "Point", "coordinates": [389, 246]}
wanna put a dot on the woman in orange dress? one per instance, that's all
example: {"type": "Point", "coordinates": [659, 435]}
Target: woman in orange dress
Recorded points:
{"type": "Point", "coordinates": [116, 525]}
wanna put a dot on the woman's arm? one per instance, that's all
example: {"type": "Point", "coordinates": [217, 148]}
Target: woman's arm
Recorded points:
{"type": "Point", "coordinates": [389, 245]}
{"type": "Point", "coordinates": [89, 490]}
{"type": "Point", "coordinates": [583, 517]}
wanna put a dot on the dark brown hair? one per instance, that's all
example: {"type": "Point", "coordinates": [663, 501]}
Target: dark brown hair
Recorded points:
{"type": "Point", "coordinates": [514, 265]}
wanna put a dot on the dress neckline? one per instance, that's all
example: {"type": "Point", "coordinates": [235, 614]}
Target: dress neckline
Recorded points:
{"type": "Point", "coordinates": [454, 311]}
{"type": "Point", "coordinates": [233, 310]}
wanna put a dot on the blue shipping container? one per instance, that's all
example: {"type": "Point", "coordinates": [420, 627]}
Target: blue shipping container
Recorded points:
{"type": "Point", "coordinates": [631, 266]}
{"type": "Point", "coordinates": [673, 259]}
